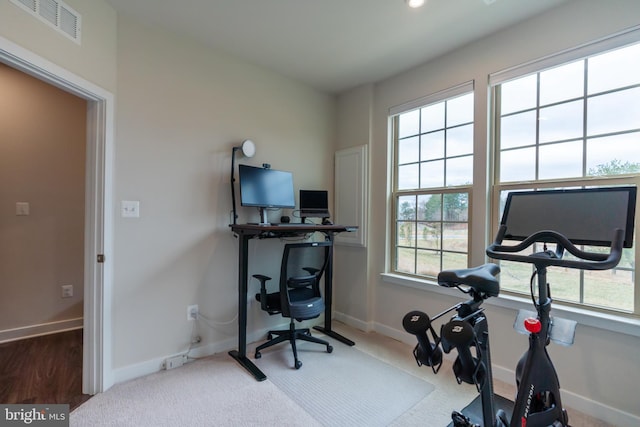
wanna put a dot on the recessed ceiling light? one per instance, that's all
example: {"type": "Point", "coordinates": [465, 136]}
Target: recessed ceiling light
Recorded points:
{"type": "Point", "coordinates": [414, 3]}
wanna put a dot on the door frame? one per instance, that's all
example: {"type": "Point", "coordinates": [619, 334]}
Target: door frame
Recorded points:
{"type": "Point", "coordinates": [97, 372]}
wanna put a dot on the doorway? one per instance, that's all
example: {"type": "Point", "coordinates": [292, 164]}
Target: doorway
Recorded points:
{"type": "Point", "coordinates": [96, 366]}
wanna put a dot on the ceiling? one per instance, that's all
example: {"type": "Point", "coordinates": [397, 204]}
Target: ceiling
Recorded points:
{"type": "Point", "coordinates": [334, 45]}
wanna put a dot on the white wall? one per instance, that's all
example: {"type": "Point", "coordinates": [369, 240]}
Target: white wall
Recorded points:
{"type": "Point", "coordinates": [599, 373]}
{"type": "Point", "coordinates": [352, 297]}
{"type": "Point", "coordinates": [180, 110]}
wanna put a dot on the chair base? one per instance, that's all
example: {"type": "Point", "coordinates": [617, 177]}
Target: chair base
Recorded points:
{"type": "Point", "coordinates": [292, 334]}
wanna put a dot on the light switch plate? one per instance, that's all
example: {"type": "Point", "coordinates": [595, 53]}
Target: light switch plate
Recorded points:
{"type": "Point", "coordinates": [22, 208]}
{"type": "Point", "coordinates": [130, 209]}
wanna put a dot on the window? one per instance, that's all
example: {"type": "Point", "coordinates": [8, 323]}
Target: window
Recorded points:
{"type": "Point", "coordinates": [433, 141]}
{"type": "Point", "coordinates": [574, 123]}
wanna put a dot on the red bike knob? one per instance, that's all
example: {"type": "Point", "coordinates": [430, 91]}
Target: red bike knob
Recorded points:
{"type": "Point", "coordinates": [532, 325]}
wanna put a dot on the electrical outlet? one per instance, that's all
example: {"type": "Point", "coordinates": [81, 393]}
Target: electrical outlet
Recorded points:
{"type": "Point", "coordinates": [174, 362]}
{"type": "Point", "coordinates": [192, 312]}
{"type": "Point", "coordinates": [22, 208]}
{"type": "Point", "coordinates": [67, 291]}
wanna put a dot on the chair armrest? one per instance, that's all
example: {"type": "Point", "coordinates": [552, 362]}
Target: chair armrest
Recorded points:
{"type": "Point", "coordinates": [262, 278]}
{"type": "Point", "coordinates": [262, 296]}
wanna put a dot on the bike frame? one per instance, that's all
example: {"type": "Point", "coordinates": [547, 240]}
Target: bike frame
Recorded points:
{"type": "Point", "coordinates": [539, 375]}
{"type": "Point", "coordinates": [566, 218]}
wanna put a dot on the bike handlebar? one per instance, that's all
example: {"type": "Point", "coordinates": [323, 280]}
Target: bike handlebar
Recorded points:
{"type": "Point", "coordinates": [586, 261]}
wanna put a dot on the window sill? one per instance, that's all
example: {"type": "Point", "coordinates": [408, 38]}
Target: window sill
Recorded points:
{"type": "Point", "coordinates": [595, 319]}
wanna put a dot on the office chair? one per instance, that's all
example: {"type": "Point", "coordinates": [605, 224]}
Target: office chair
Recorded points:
{"type": "Point", "coordinates": [299, 295]}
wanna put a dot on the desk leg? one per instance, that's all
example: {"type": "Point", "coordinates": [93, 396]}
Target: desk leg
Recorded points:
{"type": "Point", "coordinates": [241, 354]}
{"type": "Point", "coordinates": [328, 301]}
{"type": "Point", "coordinates": [248, 365]}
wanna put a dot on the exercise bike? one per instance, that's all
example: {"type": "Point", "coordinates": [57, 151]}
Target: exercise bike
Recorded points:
{"type": "Point", "coordinates": [566, 218]}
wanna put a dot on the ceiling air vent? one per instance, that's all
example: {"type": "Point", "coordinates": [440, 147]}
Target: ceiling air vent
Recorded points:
{"type": "Point", "coordinates": [55, 13]}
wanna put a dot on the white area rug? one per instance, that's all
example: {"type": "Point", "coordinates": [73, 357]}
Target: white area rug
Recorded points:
{"type": "Point", "coordinates": [345, 388]}
{"type": "Point", "coordinates": [215, 391]}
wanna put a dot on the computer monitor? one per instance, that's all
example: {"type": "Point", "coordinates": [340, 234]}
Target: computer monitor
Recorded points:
{"type": "Point", "coordinates": [314, 204]}
{"type": "Point", "coordinates": [265, 188]}
{"type": "Point", "coordinates": [584, 216]}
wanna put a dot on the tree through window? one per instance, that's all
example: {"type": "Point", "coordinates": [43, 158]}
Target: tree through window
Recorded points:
{"type": "Point", "coordinates": [574, 125]}
{"type": "Point", "coordinates": [433, 177]}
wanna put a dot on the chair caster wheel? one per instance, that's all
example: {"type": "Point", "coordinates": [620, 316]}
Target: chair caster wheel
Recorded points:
{"type": "Point", "coordinates": [329, 349]}
{"type": "Point", "coordinates": [298, 364]}
{"type": "Point", "coordinates": [258, 355]}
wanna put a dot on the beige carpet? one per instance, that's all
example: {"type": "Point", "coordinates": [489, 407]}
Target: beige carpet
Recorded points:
{"type": "Point", "coordinates": [216, 391]}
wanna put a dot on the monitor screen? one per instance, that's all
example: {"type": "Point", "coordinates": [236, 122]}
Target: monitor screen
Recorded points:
{"type": "Point", "coordinates": [314, 203]}
{"type": "Point", "coordinates": [584, 216]}
{"type": "Point", "coordinates": [266, 188]}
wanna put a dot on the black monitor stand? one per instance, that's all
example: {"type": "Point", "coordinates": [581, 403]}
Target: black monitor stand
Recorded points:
{"type": "Point", "coordinates": [263, 217]}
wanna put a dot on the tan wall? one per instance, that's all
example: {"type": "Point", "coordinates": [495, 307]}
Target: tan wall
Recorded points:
{"type": "Point", "coordinates": [42, 162]}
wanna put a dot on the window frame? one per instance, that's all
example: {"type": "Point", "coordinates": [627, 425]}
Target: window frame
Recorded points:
{"type": "Point", "coordinates": [394, 114]}
{"type": "Point", "coordinates": [598, 47]}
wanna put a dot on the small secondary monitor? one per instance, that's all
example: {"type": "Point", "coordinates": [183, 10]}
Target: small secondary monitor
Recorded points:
{"type": "Point", "coordinates": [266, 188]}
{"type": "Point", "coordinates": [584, 216]}
{"type": "Point", "coordinates": [314, 204]}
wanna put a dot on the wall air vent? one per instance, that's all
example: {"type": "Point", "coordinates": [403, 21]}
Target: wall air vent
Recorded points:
{"type": "Point", "coordinates": [56, 14]}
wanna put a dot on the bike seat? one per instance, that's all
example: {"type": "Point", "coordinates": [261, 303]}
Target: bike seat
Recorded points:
{"type": "Point", "coordinates": [482, 279]}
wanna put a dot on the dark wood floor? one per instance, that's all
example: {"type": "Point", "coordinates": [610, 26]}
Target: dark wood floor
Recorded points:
{"type": "Point", "coordinates": [46, 369]}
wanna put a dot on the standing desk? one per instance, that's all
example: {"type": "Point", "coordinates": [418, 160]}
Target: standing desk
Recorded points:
{"type": "Point", "coordinates": [246, 232]}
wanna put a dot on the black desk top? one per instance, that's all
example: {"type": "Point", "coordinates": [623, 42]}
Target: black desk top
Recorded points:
{"type": "Point", "coordinates": [290, 227]}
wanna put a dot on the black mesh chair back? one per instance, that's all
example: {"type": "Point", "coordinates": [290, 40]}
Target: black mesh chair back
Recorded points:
{"type": "Point", "coordinates": [299, 294]}
{"type": "Point", "coordinates": [303, 266]}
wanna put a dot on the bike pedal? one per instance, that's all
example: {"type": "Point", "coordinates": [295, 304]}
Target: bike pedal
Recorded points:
{"type": "Point", "coordinates": [460, 420]}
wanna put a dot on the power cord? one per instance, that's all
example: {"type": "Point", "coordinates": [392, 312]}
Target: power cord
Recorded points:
{"type": "Point", "coordinates": [213, 323]}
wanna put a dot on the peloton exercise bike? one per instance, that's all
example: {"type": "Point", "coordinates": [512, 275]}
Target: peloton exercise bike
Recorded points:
{"type": "Point", "coordinates": [566, 218]}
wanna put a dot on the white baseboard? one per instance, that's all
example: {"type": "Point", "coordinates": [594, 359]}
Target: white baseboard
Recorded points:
{"type": "Point", "coordinates": [396, 334]}
{"type": "Point", "coordinates": [598, 410]}
{"type": "Point", "coordinates": [41, 329]}
{"type": "Point", "coordinates": [353, 322]}
{"type": "Point", "coordinates": [148, 367]}
{"type": "Point", "coordinates": [130, 372]}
